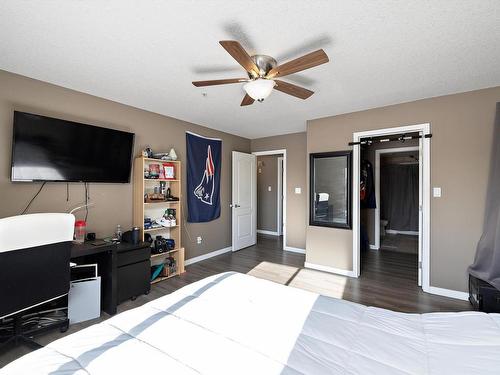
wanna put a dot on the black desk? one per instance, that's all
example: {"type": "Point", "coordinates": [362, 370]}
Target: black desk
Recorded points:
{"type": "Point", "coordinates": [112, 260]}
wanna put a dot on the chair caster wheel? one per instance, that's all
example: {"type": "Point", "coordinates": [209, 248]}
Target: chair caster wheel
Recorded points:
{"type": "Point", "coordinates": [64, 328]}
{"type": "Point", "coordinates": [133, 298]}
{"type": "Point", "coordinates": [147, 292]}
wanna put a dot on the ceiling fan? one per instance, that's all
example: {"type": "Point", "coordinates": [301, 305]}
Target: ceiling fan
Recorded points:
{"type": "Point", "coordinates": [263, 70]}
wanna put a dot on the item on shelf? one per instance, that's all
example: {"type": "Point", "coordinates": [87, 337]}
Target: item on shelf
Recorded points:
{"type": "Point", "coordinates": [148, 223]}
{"type": "Point", "coordinates": [170, 242]}
{"type": "Point", "coordinates": [90, 236]}
{"type": "Point", "coordinates": [148, 238]}
{"type": "Point", "coordinates": [170, 266]}
{"type": "Point", "coordinates": [154, 197]}
{"type": "Point", "coordinates": [131, 236]}
{"type": "Point", "coordinates": [172, 154]}
{"type": "Point", "coordinates": [162, 245]}
{"type": "Point", "coordinates": [169, 171]}
{"type": "Point", "coordinates": [168, 219]}
{"type": "Point", "coordinates": [147, 152]}
{"type": "Point", "coordinates": [162, 156]}
{"type": "Point", "coordinates": [80, 227]}
{"type": "Point", "coordinates": [146, 172]}
{"type": "Point", "coordinates": [163, 187]}
{"type": "Point", "coordinates": [156, 270]}
{"type": "Point", "coordinates": [154, 171]}
{"type": "Point", "coordinates": [169, 196]}
{"type": "Point", "coordinates": [170, 212]}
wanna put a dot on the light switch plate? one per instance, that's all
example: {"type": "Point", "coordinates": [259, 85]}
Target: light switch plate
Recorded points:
{"type": "Point", "coordinates": [269, 188]}
{"type": "Point", "coordinates": [298, 190]}
{"type": "Point", "coordinates": [436, 192]}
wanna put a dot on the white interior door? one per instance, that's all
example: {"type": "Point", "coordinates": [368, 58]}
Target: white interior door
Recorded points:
{"type": "Point", "coordinates": [420, 208]}
{"type": "Point", "coordinates": [244, 206]}
{"type": "Point", "coordinates": [280, 196]}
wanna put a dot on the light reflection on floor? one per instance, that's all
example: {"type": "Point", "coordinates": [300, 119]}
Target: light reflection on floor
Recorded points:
{"type": "Point", "coordinates": [315, 281]}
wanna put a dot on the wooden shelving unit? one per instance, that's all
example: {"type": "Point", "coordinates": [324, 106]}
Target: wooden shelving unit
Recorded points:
{"type": "Point", "coordinates": [156, 209]}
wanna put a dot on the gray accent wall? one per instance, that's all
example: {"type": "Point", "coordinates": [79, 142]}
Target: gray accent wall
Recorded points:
{"type": "Point", "coordinates": [267, 201]}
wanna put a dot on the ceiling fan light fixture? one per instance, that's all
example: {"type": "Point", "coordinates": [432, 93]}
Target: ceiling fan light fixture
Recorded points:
{"type": "Point", "coordinates": [259, 89]}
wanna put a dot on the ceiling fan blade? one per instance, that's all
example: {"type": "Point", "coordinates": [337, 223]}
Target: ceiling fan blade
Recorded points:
{"type": "Point", "coordinates": [241, 56]}
{"type": "Point", "coordinates": [293, 90]}
{"type": "Point", "coordinates": [302, 63]}
{"type": "Point", "coordinates": [219, 82]}
{"type": "Point", "coordinates": [247, 100]}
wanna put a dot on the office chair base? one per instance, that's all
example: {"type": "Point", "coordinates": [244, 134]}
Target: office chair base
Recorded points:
{"type": "Point", "coordinates": [18, 340]}
{"type": "Point", "coordinates": [19, 336]}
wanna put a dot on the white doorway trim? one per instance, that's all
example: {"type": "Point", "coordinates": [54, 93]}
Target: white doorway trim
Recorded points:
{"type": "Point", "coordinates": [279, 193]}
{"type": "Point", "coordinates": [377, 185]}
{"type": "Point", "coordinates": [279, 152]}
{"type": "Point", "coordinates": [423, 129]}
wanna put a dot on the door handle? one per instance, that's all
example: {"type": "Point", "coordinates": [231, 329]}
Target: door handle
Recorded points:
{"type": "Point", "coordinates": [234, 205]}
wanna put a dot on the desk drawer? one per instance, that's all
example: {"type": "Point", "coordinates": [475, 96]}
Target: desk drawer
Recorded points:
{"type": "Point", "coordinates": [133, 280]}
{"type": "Point", "coordinates": [133, 256]}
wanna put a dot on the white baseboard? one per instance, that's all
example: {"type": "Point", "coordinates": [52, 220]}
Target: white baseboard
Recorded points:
{"type": "Point", "coordinates": [294, 249]}
{"type": "Point", "coordinates": [407, 232]}
{"type": "Point", "coordinates": [208, 255]}
{"type": "Point", "coordinates": [373, 247]}
{"type": "Point", "coordinates": [271, 233]}
{"type": "Point", "coordinates": [320, 267]}
{"type": "Point", "coordinates": [448, 293]}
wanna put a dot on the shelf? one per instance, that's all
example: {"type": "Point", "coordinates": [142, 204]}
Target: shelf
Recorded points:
{"type": "Point", "coordinates": [160, 203]}
{"type": "Point", "coordinates": [165, 253]}
{"type": "Point", "coordinates": [161, 278]}
{"type": "Point", "coordinates": [153, 160]}
{"type": "Point", "coordinates": [145, 208]}
{"type": "Point", "coordinates": [159, 228]}
{"type": "Point", "coordinates": [160, 179]}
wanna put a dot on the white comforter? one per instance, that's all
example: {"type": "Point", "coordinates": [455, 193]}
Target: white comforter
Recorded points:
{"type": "Point", "coordinates": [237, 324]}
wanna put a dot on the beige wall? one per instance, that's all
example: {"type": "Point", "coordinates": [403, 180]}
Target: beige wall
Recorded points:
{"type": "Point", "coordinates": [113, 202]}
{"type": "Point", "coordinates": [267, 201]}
{"type": "Point", "coordinates": [296, 215]}
{"type": "Point", "coordinates": [462, 128]}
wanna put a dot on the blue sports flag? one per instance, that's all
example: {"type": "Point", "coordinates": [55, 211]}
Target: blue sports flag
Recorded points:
{"type": "Point", "coordinates": [203, 177]}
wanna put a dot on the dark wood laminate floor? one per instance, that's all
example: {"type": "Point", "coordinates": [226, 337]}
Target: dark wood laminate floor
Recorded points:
{"type": "Point", "coordinates": [388, 280]}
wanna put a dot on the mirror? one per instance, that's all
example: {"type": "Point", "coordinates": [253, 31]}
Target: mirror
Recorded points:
{"type": "Point", "coordinates": [330, 189]}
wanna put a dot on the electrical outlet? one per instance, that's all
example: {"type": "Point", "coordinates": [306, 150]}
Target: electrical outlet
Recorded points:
{"type": "Point", "coordinates": [198, 240]}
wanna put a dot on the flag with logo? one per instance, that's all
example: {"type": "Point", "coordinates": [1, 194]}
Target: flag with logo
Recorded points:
{"type": "Point", "coordinates": [203, 177]}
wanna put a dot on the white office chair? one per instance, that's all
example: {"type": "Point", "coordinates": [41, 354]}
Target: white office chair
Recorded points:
{"type": "Point", "coordinates": [35, 252]}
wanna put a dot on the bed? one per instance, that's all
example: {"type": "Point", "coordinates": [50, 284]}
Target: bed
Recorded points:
{"type": "Point", "coordinates": [233, 323]}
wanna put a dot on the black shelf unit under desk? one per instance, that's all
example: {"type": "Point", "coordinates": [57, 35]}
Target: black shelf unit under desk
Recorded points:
{"type": "Point", "coordinates": [124, 270]}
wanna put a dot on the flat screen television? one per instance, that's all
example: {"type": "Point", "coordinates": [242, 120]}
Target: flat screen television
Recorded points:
{"type": "Point", "coordinates": [50, 149]}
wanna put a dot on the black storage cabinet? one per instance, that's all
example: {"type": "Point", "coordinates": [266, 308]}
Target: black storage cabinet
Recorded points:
{"type": "Point", "coordinates": [133, 270]}
{"type": "Point", "coordinates": [483, 296]}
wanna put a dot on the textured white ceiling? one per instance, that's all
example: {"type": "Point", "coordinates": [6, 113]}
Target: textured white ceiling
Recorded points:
{"type": "Point", "coordinates": [146, 53]}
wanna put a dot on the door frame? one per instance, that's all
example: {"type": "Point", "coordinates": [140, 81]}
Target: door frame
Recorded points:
{"type": "Point", "coordinates": [279, 194]}
{"type": "Point", "coordinates": [279, 152]}
{"type": "Point", "coordinates": [420, 197]}
{"type": "Point", "coordinates": [376, 245]}
{"type": "Point", "coordinates": [424, 155]}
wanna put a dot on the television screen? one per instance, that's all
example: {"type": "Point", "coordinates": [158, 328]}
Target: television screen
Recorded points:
{"type": "Point", "coordinates": [49, 149]}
